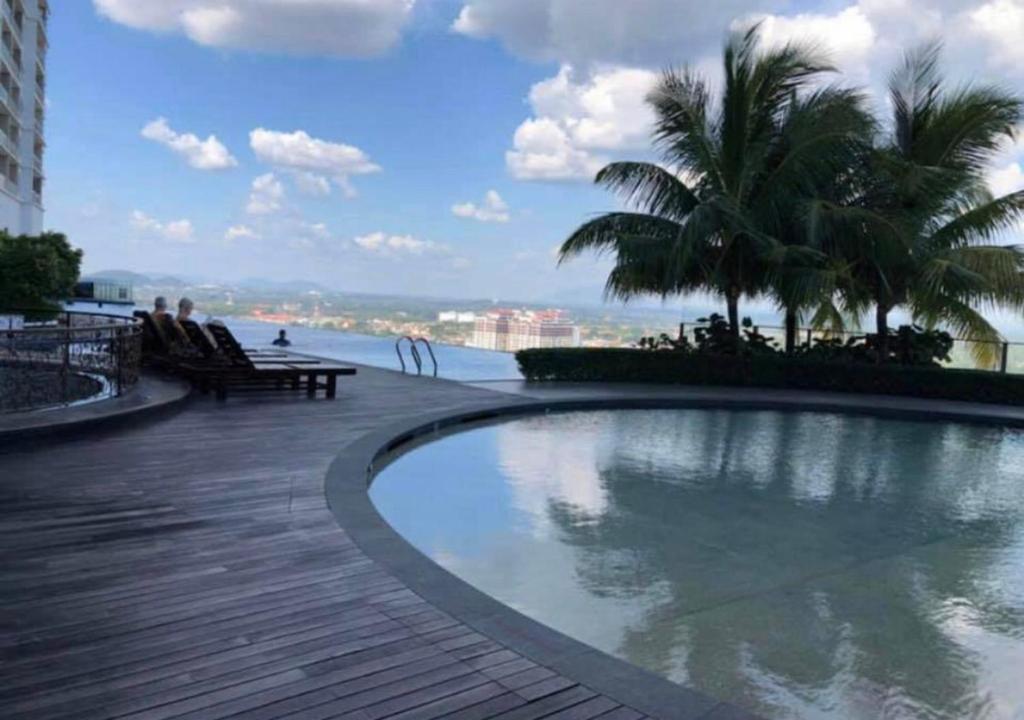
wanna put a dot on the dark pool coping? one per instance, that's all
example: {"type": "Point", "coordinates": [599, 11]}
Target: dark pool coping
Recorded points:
{"type": "Point", "coordinates": [350, 475]}
{"type": "Point", "coordinates": [151, 398]}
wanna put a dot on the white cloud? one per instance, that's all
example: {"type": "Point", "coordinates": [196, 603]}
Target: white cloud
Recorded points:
{"type": "Point", "coordinates": [312, 160]}
{"type": "Point", "coordinates": [266, 195]}
{"type": "Point", "coordinates": [542, 150]}
{"type": "Point", "coordinates": [236, 232]}
{"type": "Point", "coordinates": [312, 184]}
{"type": "Point", "coordinates": [1006, 179]}
{"type": "Point", "coordinates": [1001, 24]}
{"type": "Point", "coordinates": [493, 209]}
{"type": "Point", "coordinates": [593, 108]}
{"type": "Point", "coordinates": [572, 120]}
{"type": "Point", "coordinates": [180, 230]}
{"type": "Point", "coordinates": [340, 28]}
{"type": "Point", "coordinates": [176, 230]}
{"type": "Point", "coordinates": [208, 154]}
{"type": "Point", "coordinates": [653, 33]}
{"type": "Point", "coordinates": [398, 245]}
{"type": "Point", "coordinates": [316, 230]}
{"type": "Point", "coordinates": [142, 221]}
{"type": "Point", "coordinates": [302, 235]}
{"type": "Point", "coordinates": [848, 36]}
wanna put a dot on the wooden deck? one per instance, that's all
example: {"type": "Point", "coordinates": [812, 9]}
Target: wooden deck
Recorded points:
{"type": "Point", "coordinates": [190, 568]}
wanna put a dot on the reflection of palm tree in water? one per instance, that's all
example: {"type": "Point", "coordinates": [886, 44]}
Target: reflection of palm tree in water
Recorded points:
{"type": "Point", "coordinates": [810, 561]}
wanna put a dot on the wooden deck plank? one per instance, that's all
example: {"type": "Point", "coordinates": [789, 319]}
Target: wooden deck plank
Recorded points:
{"type": "Point", "coordinates": [190, 568]}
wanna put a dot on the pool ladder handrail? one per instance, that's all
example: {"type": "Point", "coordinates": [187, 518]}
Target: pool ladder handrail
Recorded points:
{"type": "Point", "coordinates": [417, 358]}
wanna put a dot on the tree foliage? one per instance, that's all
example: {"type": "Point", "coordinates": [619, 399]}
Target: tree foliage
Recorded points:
{"type": "Point", "coordinates": [36, 270]}
{"type": "Point", "coordinates": [786, 188]}
{"type": "Point", "coordinates": [735, 176]}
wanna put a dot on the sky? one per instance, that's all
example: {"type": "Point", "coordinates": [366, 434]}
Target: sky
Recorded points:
{"type": "Point", "coordinates": [438, 147]}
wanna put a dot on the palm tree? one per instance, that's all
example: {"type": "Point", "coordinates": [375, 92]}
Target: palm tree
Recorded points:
{"type": "Point", "coordinates": [802, 277]}
{"type": "Point", "coordinates": [711, 218]}
{"type": "Point", "coordinates": [918, 228]}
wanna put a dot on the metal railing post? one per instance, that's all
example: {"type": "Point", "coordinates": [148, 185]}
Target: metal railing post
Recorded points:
{"type": "Point", "coordinates": [1005, 357]}
{"type": "Point", "coordinates": [118, 350]}
{"type": "Point", "coordinates": [65, 366]}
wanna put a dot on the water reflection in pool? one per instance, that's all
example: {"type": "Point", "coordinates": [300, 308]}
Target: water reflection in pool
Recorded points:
{"type": "Point", "coordinates": [799, 565]}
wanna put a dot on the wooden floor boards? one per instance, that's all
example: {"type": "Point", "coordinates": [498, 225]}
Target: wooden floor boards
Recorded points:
{"type": "Point", "coordinates": [190, 568]}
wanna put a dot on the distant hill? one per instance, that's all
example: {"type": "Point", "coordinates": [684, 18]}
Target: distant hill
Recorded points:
{"type": "Point", "coordinates": [299, 286]}
{"type": "Point", "coordinates": [134, 278]}
{"type": "Point", "coordinates": [125, 276]}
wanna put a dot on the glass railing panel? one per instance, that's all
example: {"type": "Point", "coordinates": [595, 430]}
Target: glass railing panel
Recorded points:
{"type": "Point", "coordinates": [1015, 358]}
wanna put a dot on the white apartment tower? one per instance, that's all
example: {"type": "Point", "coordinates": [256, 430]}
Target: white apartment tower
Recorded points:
{"type": "Point", "coordinates": [22, 109]}
{"type": "Point", "coordinates": [514, 330]}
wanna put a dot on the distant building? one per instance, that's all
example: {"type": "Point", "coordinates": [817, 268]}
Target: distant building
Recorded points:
{"type": "Point", "coordinates": [454, 316]}
{"type": "Point", "coordinates": [512, 330]}
{"type": "Point", "coordinates": [22, 109]}
{"type": "Point", "coordinates": [103, 291]}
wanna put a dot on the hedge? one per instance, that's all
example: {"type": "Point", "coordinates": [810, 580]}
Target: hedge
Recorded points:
{"type": "Point", "coordinates": [771, 371]}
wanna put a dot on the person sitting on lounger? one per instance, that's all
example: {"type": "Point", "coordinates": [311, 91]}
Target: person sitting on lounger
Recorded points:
{"type": "Point", "coordinates": [282, 341]}
{"type": "Point", "coordinates": [185, 307]}
{"type": "Point", "coordinates": [173, 330]}
{"type": "Point", "coordinates": [159, 307]}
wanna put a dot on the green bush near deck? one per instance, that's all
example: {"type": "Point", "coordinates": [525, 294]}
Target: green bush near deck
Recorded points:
{"type": "Point", "coordinates": [780, 372]}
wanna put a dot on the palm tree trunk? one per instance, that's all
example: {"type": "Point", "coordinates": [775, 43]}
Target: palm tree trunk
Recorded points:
{"type": "Point", "coordinates": [882, 330]}
{"type": "Point", "coordinates": [791, 330]}
{"type": "Point", "coordinates": [732, 300]}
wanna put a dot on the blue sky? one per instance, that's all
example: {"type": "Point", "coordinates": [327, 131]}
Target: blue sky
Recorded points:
{"type": "Point", "coordinates": [454, 139]}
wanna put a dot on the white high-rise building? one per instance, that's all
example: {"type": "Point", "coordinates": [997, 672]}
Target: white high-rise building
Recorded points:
{"type": "Point", "coordinates": [22, 110]}
{"type": "Point", "coordinates": [514, 330]}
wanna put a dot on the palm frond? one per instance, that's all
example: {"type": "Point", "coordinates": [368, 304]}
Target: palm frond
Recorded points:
{"type": "Point", "coordinates": [650, 188]}
{"type": "Point", "coordinates": [983, 340]}
{"type": "Point", "coordinates": [982, 223]}
{"type": "Point", "coordinates": [613, 232]}
{"type": "Point", "coordinates": [828, 317]}
{"type": "Point", "coordinates": [681, 130]}
{"type": "Point", "coordinates": [914, 89]}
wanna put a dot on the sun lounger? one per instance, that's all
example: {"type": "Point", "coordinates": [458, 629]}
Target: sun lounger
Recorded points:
{"type": "Point", "coordinates": [242, 370]}
{"type": "Point", "coordinates": [218, 362]}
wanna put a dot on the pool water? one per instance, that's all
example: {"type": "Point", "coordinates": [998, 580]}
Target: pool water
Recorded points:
{"type": "Point", "coordinates": [799, 565]}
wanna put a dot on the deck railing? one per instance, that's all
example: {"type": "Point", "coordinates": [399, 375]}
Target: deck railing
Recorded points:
{"type": "Point", "coordinates": [54, 359]}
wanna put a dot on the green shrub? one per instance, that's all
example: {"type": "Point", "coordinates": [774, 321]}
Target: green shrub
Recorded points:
{"type": "Point", "coordinates": [768, 371]}
{"type": "Point", "coordinates": [908, 345]}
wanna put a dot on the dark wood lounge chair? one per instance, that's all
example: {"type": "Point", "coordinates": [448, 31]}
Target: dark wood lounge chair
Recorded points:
{"type": "Point", "coordinates": [160, 349]}
{"type": "Point", "coordinates": [199, 339]}
{"type": "Point", "coordinates": [202, 339]}
{"type": "Point", "coordinates": [269, 376]}
{"type": "Point", "coordinates": [153, 341]}
{"type": "Point", "coordinates": [231, 351]}
{"type": "Point", "coordinates": [245, 372]}
{"type": "Point", "coordinates": [222, 363]}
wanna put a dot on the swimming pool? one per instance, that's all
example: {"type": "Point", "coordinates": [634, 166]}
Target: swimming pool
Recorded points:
{"type": "Point", "coordinates": [799, 565]}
